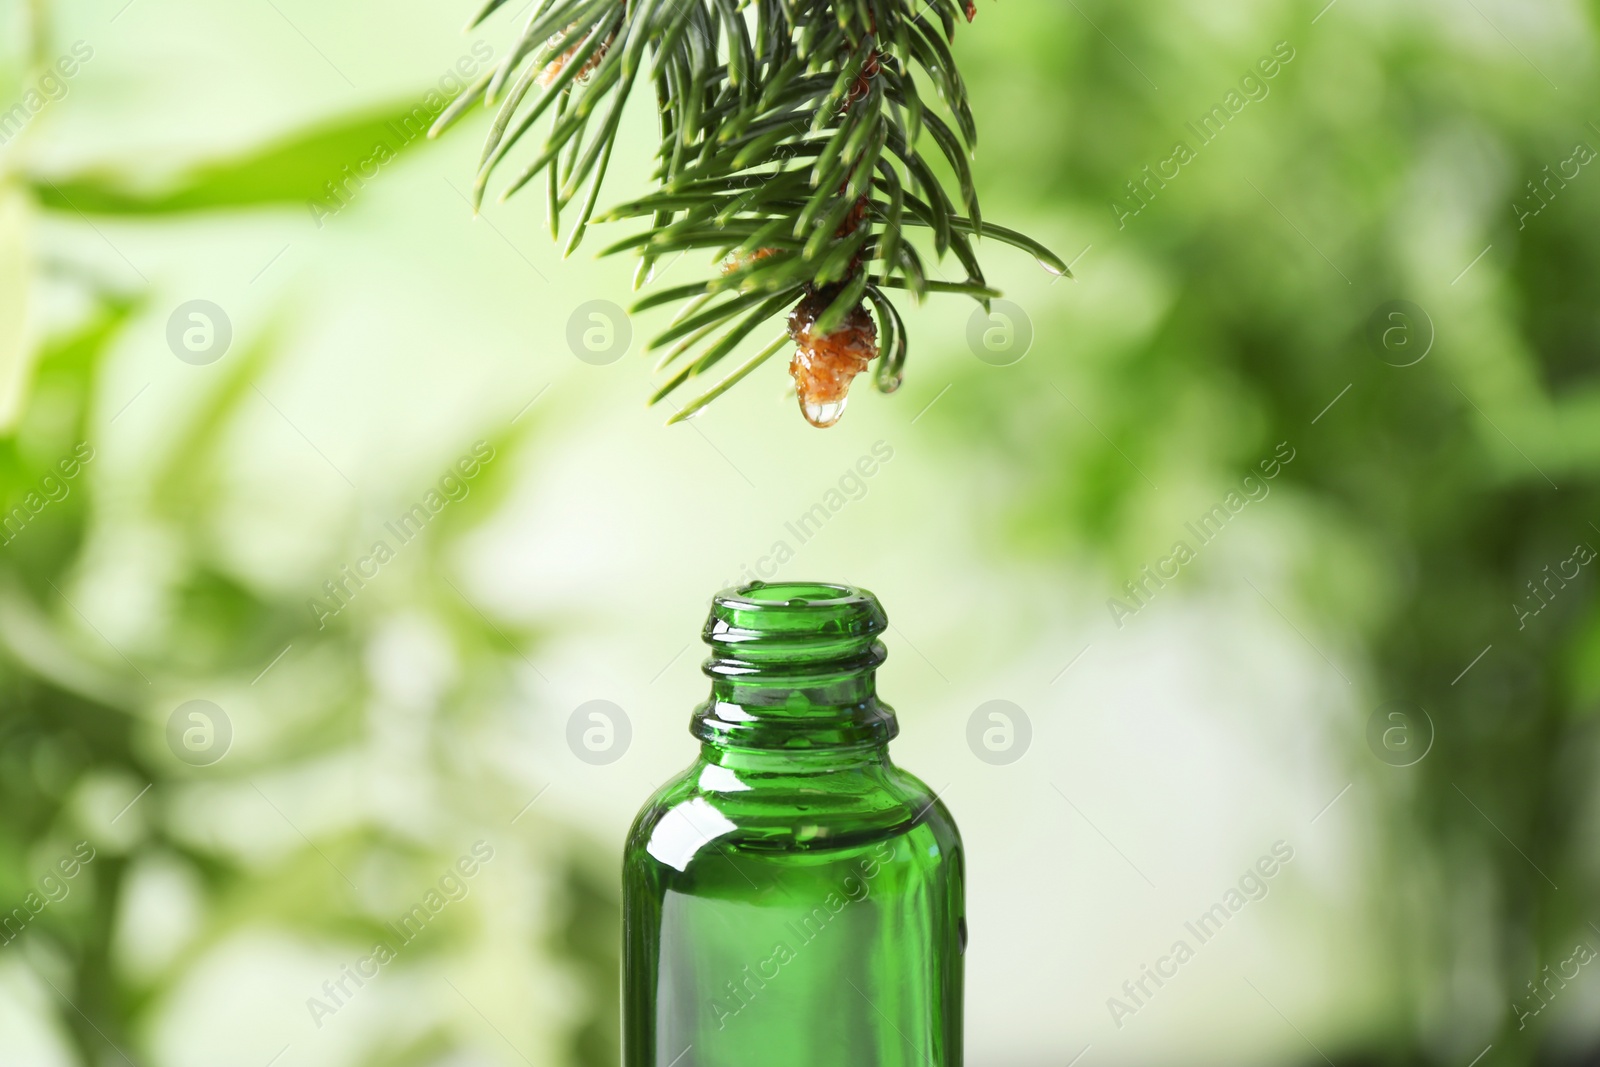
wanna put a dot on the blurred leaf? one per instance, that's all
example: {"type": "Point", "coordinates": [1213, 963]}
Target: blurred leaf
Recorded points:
{"type": "Point", "coordinates": [51, 441]}
{"type": "Point", "coordinates": [304, 167]}
{"type": "Point", "coordinates": [175, 480]}
{"type": "Point", "coordinates": [16, 331]}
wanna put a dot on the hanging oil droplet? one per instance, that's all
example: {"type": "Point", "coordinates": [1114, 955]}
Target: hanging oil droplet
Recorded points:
{"type": "Point", "coordinates": [824, 364]}
{"type": "Point", "coordinates": [822, 413]}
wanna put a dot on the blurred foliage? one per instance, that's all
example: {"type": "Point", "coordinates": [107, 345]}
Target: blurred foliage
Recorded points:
{"type": "Point", "coordinates": [358, 770]}
{"type": "Point", "coordinates": [1226, 308]}
{"type": "Point", "coordinates": [1242, 298]}
{"type": "Point", "coordinates": [288, 173]}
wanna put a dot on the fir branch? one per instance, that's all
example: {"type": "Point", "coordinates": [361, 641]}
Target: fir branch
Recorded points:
{"type": "Point", "coordinates": [791, 154]}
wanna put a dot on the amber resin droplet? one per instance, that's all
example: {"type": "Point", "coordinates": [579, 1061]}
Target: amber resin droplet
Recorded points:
{"type": "Point", "coordinates": [740, 260]}
{"type": "Point", "coordinates": [554, 67]}
{"type": "Point", "coordinates": [824, 364]}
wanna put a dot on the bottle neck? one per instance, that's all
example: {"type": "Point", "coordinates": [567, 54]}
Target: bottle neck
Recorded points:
{"type": "Point", "coordinates": [793, 670]}
{"type": "Point", "coordinates": [769, 762]}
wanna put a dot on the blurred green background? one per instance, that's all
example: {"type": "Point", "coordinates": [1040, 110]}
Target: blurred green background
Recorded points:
{"type": "Point", "coordinates": [1341, 344]}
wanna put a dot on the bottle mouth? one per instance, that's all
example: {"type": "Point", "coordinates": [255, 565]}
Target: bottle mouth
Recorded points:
{"type": "Point", "coordinates": [792, 666]}
{"type": "Point", "coordinates": [800, 623]}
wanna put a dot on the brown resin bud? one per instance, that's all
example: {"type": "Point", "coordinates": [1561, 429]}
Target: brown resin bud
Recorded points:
{"type": "Point", "coordinates": [824, 364]}
{"type": "Point", "coordinates": [552, 70]}
{"type": "Point", "coordinates": [741, 260]}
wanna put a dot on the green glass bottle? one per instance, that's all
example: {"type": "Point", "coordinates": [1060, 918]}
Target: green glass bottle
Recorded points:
{"type": "Point", "coordinates": [793, 899]}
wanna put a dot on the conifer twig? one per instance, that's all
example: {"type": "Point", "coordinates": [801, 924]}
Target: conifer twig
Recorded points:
{"type": "Point", "coordinates": [792, 137]}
